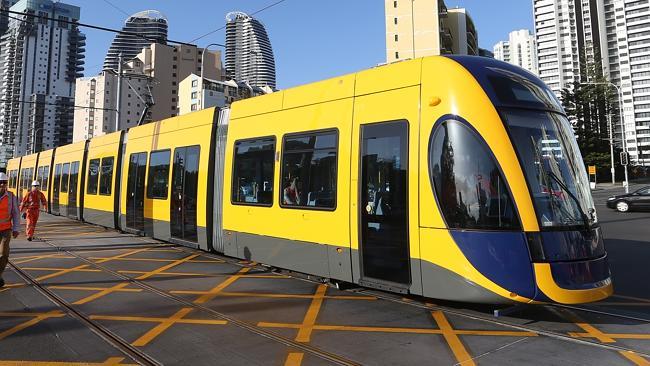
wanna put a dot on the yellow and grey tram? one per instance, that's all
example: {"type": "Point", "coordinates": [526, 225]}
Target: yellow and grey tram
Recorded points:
{"type": "Point", "coordinates": [454, 178]}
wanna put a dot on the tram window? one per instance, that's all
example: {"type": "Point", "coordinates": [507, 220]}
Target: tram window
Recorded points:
{"type": "Point", "coordinates": [309, 170]}
{"type": "Point", "coordinates": [45, 177]}
{"type": "Point", "coordinates": [253, 172]}
{"type": "Point", "coordinates": [471, 190]}
{"type": "Point", "coordinates": [64, 177]}
{"type": "Point", "coordinates": [93, 176]}
{"type": "Point", "coordinates": [106, 176]}
{"type": "Point", "coordinates": [74, 177]}
{"type": "Point", "coordinates": [158, 180]}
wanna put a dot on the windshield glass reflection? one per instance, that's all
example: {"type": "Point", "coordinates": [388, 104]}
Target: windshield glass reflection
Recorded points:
{"type": "Point", "coordinates": [553, 166]}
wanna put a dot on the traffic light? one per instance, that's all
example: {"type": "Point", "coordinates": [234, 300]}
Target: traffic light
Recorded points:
{"type": "Point", "coordinates": [624, 158]}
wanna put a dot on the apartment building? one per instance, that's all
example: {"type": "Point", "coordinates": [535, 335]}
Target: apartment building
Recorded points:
{"type": "Point", "coordinates": [616, 33]}
{"type": "Point", "coordinates": [249, 55]}
{"type": "Point", "coordinates": [152, 76]}
{"type": "Point", "coordinates": [417, 28]}
{"type": "Point", "coordinates": [41, 54]}
{"type": "Point", "coordinates": [196, 93]}
{"type": "Point", "coordinates": [518, 50]}
{"type": "Point", "coordinates": [98, 97]}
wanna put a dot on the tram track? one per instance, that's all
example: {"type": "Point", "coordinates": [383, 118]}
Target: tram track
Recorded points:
{"type": "Point", "coordinates": [477, 316]}
{"type": "Point", "coordinates": [370, 292]}
{"type": "Point", "coordinates": [104, 333]}
{"type": "Point", "coordinates": [525, 328]}
{"type": "Point", "coordinates": [303, 347]}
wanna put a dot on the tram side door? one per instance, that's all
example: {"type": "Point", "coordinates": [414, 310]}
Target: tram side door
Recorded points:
{"type": "Point", "coordinates": [56, 189]}
{"type": "Point", "coordinates": [185, 179]}
{"type": "Point", "coordinates": [135, 191]}
{"type": "Point", "coordinates": [73, 210]}
{"type": "Point", "coordinates": [383, 204]}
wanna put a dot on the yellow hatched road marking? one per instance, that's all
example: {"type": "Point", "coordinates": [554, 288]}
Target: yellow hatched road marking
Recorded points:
{"type": "Point", "coordinates": [211, 294]}
{"type": "Point", "coordinates": [163, 326]}
{"type": "Point", "coordinates": [294, 359]}
{"type": "Point", "coordinates": [275, 295]}
{"type": "Point", "coordinates": [37, 318]}
{"type": "Point", "coordinates": [457, 347]}
{"type": "Point", "coordinates": [120, 286]}
{"type": "Point", "coordinates": [110, 361]}
{"type": "Point", "coordinates": [205, 275]}
{"type": "Point", "coordinates": [636, 359]}
{"type": "Point", "coordinates": [87, 288]}
{"type": "Point", "coordinates": [608, 337]}
{"type": "Point", "coordinates": [304, 334]}
{"type": "Point", "coordinates": [157, 320]}
{"type": "Point", "coordinates": [58, 269]}
{"type": "Point", "coordinates": [347, 328]}
{"type": "Point", "coordinates": [31, 258]}
{"type": "Point", "coordinates": [159, 260]}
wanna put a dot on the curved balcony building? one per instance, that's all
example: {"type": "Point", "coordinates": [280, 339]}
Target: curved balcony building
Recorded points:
{"type": "Point", "coordinates": [149, 23]}
{"type": "Point", "coordinates": [249, 56]}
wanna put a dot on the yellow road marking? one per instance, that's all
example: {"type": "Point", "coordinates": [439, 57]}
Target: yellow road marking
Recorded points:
{"type": "Point", "coordinates": [158, 260]}
{"type": "Point", "coordinates": [304, 334]}
{"type": "Point", "coordinates": [32, 258]}
{"type": "Point", "coordinates": [58, 269]}
{"type": "Point", "coordinates": [457, 347]}
{"type": "Point", "coordinates": [216, 290]}
{"type": "Point", "coordinates": [85, 288]}
{"type": "Point", "coordinates": [347, 328]}
{"type": "Point", "coordinates": [608, 337]}
{"type": "Point", "coordinates": [590, 330]}
{"type": "Point", "coordinates": [38, 317]}
{"type": "Point", "coordinates": [205, 274]}
{"type": "Point", "coordinates": [110, 361]}
{"type": "Point", "coordinates": [164, 325]}
{"type": "Point", "coordinates": [283, 296]}
{"type": "Point", "coordinates": [145, 319]}
{"type": "Point", "coordinates": [294, 359]}
{"type": "Point", "coordinates": [636, 359]}
{"type": "Point", "coordinates": [120, 286]}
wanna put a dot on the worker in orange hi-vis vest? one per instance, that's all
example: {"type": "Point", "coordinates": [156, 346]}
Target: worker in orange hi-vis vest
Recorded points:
{"type": "Point", "coordinates": [31, 208]}
{"type": "Point", "coordinates": [9, 222]}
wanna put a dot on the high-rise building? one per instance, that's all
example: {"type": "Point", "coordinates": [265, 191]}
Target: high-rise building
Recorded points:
{"type": "Point", "coordinates": [149, 23]}
{"type": "Point", "coordinates": [501, 51]}
{"type": "Point", "coordinates": [41, 55]}
{"type": "Point", "coordinates": [417, 28]}
{"type": "Point", "coordinates": [611, 34]}
{"type": "Point", "coordinates": [169, 65]}
{"type": "Point", "coordinates": [96, 100]}
{"type": "Point", "coordinates": [519, 50]}
{"type": "Point", "coordinates": [154, 75]}
{"type": "Point", "coordinates": [249, 56]}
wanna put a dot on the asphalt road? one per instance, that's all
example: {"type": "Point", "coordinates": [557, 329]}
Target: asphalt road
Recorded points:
{"type": "Point", "coordinates": [627, 241]}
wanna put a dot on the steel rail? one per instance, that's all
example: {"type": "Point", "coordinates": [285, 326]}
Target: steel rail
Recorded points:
{"type": "Point", "coordinates": [104, 333]}
{"type": "Point", "coordinates": [327, 356]}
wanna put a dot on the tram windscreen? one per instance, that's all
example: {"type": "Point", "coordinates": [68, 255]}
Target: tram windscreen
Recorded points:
{"type": "Point", "coordinates": [553, 166]}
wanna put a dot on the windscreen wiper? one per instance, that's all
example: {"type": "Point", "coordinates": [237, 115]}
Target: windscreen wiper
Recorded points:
{"type": "Point", "coordinates": [585, 218]}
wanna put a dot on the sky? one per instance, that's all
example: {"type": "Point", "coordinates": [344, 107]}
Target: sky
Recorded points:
{"type": "Point", "coordinates": [312, 40]}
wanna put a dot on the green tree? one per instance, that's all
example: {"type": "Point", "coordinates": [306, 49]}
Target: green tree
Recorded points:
{"type": "Point", "coordinates": [590, 106]}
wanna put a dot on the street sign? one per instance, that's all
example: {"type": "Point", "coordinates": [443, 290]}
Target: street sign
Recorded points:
{"type": "Point", "coordinates": [592, 170]}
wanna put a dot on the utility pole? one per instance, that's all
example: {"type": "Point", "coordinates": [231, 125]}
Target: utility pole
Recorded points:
{"type": "Point", "coordinates": [611, 145]}
{"type": "Point", "coordinates": [118, 108]}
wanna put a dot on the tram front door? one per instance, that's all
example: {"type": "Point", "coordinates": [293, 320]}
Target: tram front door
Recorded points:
{"type": "Point", "coordinates": [383, 203]}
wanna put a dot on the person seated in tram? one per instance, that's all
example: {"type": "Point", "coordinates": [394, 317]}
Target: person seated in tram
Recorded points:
{"type": "Point", "coordinates": [290, 195]}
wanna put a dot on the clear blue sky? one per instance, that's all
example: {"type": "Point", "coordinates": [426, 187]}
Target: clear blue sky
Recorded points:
{"type": "Point", "coordinates": [312, 40]}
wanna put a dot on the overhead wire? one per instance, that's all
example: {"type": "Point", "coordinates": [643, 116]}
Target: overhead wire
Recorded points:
{"type": "Point", "coordinates": [253, 13]}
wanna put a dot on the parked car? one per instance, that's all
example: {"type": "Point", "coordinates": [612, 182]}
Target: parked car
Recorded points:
{"type": "Point", "coordinates": [639, 199]}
